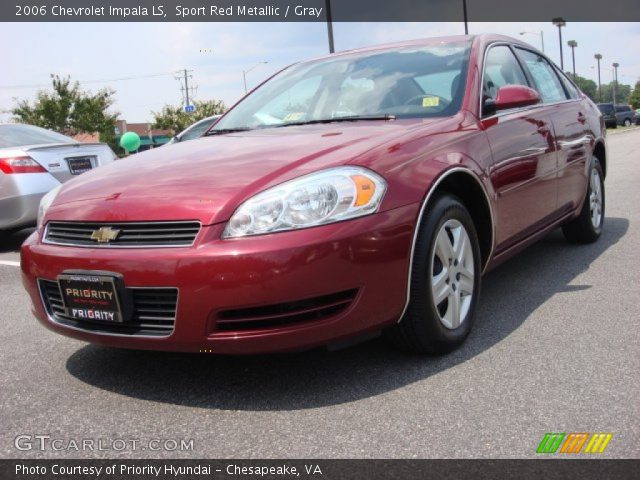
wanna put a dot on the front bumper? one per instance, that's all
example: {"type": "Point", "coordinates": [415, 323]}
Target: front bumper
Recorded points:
{"type": "Point", "coordinates": [370, 255]}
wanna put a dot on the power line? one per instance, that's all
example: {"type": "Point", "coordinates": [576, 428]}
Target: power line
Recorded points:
{"type": "Point", "coordinates": [120, 79]}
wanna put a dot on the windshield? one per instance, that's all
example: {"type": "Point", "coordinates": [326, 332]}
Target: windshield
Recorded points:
{"type": "Point", "coordinates": [15, 135]}
{"type": "Point", "coordinates": [409, 82]}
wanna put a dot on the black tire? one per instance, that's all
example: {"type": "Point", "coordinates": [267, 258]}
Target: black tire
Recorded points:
{"type": "Point", "coordinates": [582, 228]}
{"type": "Point", "coordinates": [421, 329]}
{"type": "Point", "coordinates": [627, 122]}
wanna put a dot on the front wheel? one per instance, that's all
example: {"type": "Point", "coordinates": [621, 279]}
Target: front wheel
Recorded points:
{"type": "Point", "coordinates": [627, 122]}
{"type": "Point", "coordinates": [444, 283]}
{"type": "Point", "coordinates": [587, 227]}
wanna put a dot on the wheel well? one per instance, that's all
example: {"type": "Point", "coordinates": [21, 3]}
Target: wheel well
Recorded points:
{"type": "Point", "coordinates": [600, 152]}
{"type": "Point", "coordinates": [471, 193]}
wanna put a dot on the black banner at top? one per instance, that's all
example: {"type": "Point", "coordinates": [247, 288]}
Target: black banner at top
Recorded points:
{"type": "Point", "coordinates": [316, 10]}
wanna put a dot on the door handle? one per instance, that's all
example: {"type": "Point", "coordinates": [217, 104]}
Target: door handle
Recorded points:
{"type": "Point", "coordinates": [581, 118]}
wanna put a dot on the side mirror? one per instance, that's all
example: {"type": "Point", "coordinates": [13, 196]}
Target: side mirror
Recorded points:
{"type": "Point", "coordinates": [515, 96]}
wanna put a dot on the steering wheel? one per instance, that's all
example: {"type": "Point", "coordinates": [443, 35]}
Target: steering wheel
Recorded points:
{"type": "Point", "coordinates": [442, 102]}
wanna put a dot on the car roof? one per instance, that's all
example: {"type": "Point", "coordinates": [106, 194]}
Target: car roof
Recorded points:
{"type": "Point", "coordinates": [483, 38]}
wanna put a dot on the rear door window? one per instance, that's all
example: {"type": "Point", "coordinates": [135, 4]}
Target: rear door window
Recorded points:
{"type": "Point", "coordinates": [545, 78]}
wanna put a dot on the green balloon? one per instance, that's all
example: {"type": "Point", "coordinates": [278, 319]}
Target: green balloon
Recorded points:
{"type": "Point", "coordinates": [130, 141]}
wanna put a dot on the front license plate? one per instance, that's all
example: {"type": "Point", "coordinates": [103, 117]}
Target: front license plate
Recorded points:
{"type": "Point", "coordinates": [79, 165]}
{"type": "Point", "coordinates": [91, 297]}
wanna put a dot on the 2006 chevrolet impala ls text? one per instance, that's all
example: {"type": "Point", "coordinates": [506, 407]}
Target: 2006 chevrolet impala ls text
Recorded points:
{"type": "Point", "coordinates": [362, 192]}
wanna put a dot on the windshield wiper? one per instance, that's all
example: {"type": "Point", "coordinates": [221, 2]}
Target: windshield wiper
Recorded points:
{"type": "Point", "coordinates": [226, 130]}
{"type": "Point", "coordinates": [351, 118]}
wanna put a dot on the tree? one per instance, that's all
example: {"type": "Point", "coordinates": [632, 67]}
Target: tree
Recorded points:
{"type": "Point", "coordinates": [623, 92]}
{"type": "Point", "coordinates": [634, 98]}
{"type": "Point", "coordinates": [69, 110]}
{"type": "Point", "coordinates": [588, 87]}
{"type": "Point", "coordinates": [174, 118]}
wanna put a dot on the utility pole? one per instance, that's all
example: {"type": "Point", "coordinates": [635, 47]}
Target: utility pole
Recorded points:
{"type": "Point", "coordinates": [186, 87]}
{"type": "Point", "coordinates": [184, 76]}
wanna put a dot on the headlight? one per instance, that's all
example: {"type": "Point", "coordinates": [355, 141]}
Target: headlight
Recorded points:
{"type": "Point", "coordinates": [323, 197]}
{"type": "Point", "coordinates": [45, 203]}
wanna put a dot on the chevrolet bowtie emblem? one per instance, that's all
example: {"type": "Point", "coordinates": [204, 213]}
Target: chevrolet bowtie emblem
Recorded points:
{"type": "Point", "coordinates": [105, 234]}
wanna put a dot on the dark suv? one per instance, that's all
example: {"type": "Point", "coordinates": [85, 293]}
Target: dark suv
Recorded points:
{"type": "Point", "coordinates": [625, 115]}
{"type": "Point", "coordinates": [609, 114]}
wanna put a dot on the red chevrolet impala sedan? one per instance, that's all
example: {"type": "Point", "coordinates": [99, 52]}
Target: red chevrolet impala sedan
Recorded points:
{"type": "Point", "coordinates": [362, 192]}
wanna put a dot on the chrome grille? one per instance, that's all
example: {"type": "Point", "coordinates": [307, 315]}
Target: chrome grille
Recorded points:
{"type": "Point", "coordinates": [131, 234]}
{"type": "Point", "coordinates": [154, 312]}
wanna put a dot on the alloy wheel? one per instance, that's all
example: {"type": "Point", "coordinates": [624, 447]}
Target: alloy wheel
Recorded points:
{"type": "Point", "coordinates": [595, 199]}
{"type": "Point", "coordinates": [452, 280]}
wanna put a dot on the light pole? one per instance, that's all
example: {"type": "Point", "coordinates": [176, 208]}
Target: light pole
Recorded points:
{"type": "Point", "coordinates": [541, 34]}
{"type": "Point", "coordinates": [464, 12]}
{"type": "Point", "coordinates": [573, 44]}
{"type": "Point", "coordinates": [598, 57]}
{"type": "Point", "coordinates": [329, 26]}
{"type": "Point", "coordinates": [559, 22]}
{"type": "Point", "coordinates": [244, 74]}
{"type": "Point", "coordinates": [615, 81]}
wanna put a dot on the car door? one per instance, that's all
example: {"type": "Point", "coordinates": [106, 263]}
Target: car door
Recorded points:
{"type": "Point", "coordinates": [572, 131]}
{"type": "Point", "coordinates": [523, 169]}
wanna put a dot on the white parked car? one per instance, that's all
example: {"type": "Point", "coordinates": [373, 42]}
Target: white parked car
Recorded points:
{"type": "Point", "coordinates": [34, 161]}
{"type": "Point", "coordinates": [195, 130]}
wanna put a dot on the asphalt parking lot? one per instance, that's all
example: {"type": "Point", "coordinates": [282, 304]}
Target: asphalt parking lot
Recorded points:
{"type": "Point", "coordinates": [556, 348]}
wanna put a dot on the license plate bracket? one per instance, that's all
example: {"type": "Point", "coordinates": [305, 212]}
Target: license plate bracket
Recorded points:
{"type": "Point", "coordinates": [78, 165]}
{"type": "Point", "coordinates": [94, 296]}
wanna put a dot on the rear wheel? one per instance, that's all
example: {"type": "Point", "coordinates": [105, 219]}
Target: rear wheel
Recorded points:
{"type": "Point", "coordinates": [445, 281]}
{"type": "Point", "coordinates": [587, 227]}
{"type": "Point", "coordinates": [627, 122]}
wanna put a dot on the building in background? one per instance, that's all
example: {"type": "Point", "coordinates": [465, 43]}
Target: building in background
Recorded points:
{"type": "Point", "coordinates": [149, 137]}
{"type": "Point", "coordinates": [87, 137]}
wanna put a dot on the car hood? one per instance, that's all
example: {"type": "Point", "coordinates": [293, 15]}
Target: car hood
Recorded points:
{"type": "Point", "coordinates": [206, 179]}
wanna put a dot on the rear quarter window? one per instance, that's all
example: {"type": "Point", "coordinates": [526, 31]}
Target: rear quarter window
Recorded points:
{"type": "Point", "coordinates": [568, 85]}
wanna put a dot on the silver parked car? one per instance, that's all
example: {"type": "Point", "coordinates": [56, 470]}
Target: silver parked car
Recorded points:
{"type": "Point", "coordinates": [195, 130]}
{"type": "Point", "coordinates": [34, 161]}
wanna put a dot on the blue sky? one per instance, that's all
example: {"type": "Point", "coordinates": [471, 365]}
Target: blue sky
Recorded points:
{"type": "Point", "coordinates": [218, 52]}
